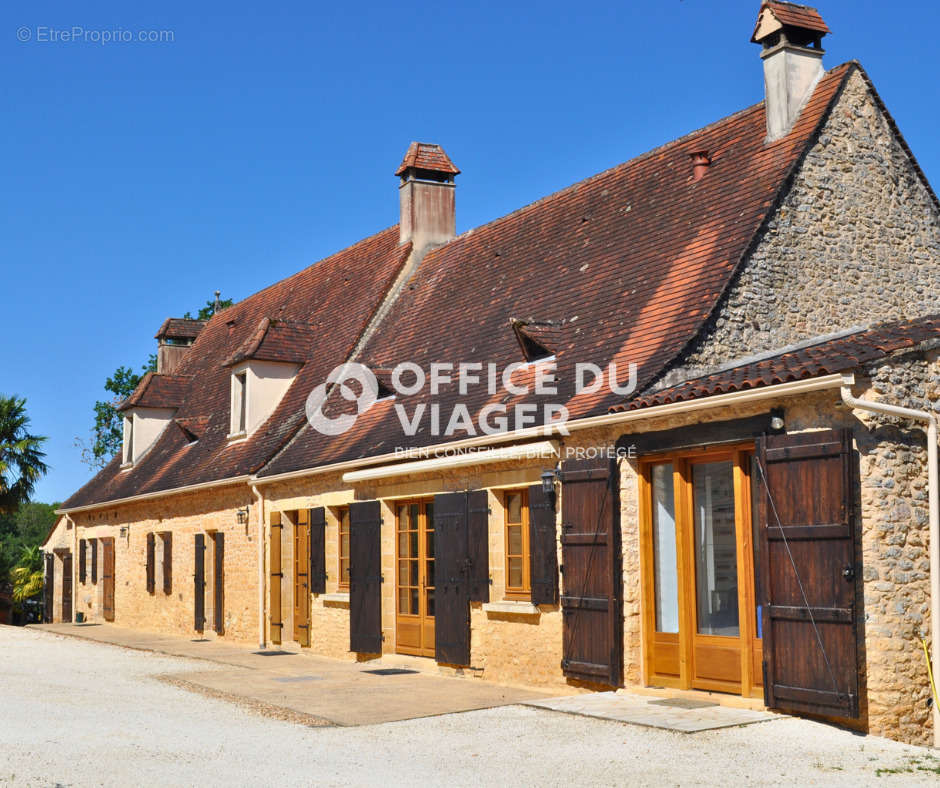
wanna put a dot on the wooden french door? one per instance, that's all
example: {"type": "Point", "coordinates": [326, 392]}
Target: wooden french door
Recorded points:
{"type": "Point", "coordinates": [107, 578]}
{"type": "Point", "coordinates": [414, 558]}
{"type": "Point", "coordinates": [301, 577]}
{"type": "Point", "coordinates": [700, 613]}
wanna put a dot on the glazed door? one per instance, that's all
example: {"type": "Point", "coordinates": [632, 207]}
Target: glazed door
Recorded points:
{"type": "Point", "coordinates": [414, 538]}
{"type": "Point", "coordinates": [301, 578]}
{"type": "Point", "coordinates": [700, 614]}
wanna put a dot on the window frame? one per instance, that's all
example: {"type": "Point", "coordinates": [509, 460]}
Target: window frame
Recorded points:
{"type": "Point", "coordinates": [342, 514]}
{"type": "Point", "coordinates": [127, 445]}
{"type": "Point", "coordinates": [523, 592]}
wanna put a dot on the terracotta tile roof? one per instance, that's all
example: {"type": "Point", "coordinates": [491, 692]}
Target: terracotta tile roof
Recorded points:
{"type": "Point", "coordinates": [337, 297]}
{"type": "Point", "coordinates": [825, 356]}
{"type": "Point", "coordinates": [793, 15]}
{"type": "Point", "coordinates": [632, 261]}
{"type": "Point", "coordinates": [427, 156]}
{"type": "Point", "coordinates": [180, 328]}
{"type": "Point", "coordinates": [276, 340]}
{"type": "Point", "coordinates": [158, 391]}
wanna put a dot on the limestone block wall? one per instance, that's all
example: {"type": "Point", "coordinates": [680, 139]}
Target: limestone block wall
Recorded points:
{"type": "Point", "coordinates": [184, 516]}
{"type": "Point", "coordinates": [856, 240]}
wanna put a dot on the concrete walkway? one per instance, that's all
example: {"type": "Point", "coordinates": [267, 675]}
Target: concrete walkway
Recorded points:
{"type": "Point", "coordinates": [324, 690]}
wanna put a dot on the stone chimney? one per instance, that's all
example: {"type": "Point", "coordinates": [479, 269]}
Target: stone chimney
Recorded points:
{"type": "Point", "coordinates": [426, 195]}
{"type": "Point", "coordinates": [174, 339]}
{"type": "Point", "coordinates": [791, 37]}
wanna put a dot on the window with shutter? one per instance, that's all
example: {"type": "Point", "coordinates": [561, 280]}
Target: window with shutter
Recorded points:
{"type": "Point", "coordinates": [342, 517]}
{"type": "Point", "coordinates": [365, 577]}
{"type": "Point", "coordinates": [516, 527]}
{"type": "Point", "coordinates": [318, 550]}
{"type": "Point", "coordinates": [809, 596]}
{"type": "Point", "coordinates": [93, 544]}
{"type": "Point", "coordinates": [151, 563]}
{"type": "Point", "coordinates": [82, 553]}
{"type": "Point", "coordinates": [107, 578]}
{"type": "Point", "coordinates": [478, 548]}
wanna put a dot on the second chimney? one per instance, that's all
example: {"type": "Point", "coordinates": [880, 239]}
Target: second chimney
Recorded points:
{"type": "Point", "coordinates": [426, 195]}
{"type": "Point", "coordinates": [791, 37]}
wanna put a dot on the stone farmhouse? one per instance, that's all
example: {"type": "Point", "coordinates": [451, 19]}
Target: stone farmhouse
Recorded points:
{"type": "Point", "coordinates": [743, 501]}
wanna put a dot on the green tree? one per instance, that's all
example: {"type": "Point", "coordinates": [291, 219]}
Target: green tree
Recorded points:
{"type": "Point", "coordinates": [21, 455]}
{"type": "Point", "coordinates": [27, 575]}
{"type": "Point", "coordinates": [25, 528]}
{"type": "Point", "coordinates": [108, 430]}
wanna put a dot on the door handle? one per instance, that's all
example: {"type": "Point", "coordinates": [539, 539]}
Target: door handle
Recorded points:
{"type": "Point", "coordinates": [848, 572]}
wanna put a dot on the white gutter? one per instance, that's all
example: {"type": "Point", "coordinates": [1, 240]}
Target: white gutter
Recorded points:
{"type": "Point", "coordinates": [528, 451]}
{"type": "Point", "coordinates": [262, 641]}
{"type": "Point", "coordinates": [933, 484]}
{"type": "Point", "coordinates": [822, 383]}
{"type": "Point", "coordinates": [158, 494]}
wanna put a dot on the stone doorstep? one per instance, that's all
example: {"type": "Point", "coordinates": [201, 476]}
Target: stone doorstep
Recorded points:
{"type": "Point", "coordinates": [720, 698]}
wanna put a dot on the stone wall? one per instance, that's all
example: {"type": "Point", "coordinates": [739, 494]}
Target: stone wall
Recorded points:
{"type": "Point", "coordinates": [855, 241]}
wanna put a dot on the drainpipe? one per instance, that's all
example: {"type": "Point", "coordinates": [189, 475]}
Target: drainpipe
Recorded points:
{"type": "Point", "coordinates": [933, 482]}
{"type": "Point", "coordinates": [262, 641]}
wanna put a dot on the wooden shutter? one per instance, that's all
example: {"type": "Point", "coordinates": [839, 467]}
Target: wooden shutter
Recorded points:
{"type": "Point", "coordinates": [451, 576]}
{"type": "Point", "coordinates": [274, 581]}
{"type": "Point", "coordinates": [167, 563]}
{"type": "Point", "coordinates": [199, 584]}
{"type": "Point", "coordinates": [67, 587]}
{"type": "Point", "coordinates": [365, 577]}
{"type": "Point", "coordinates": [318, 550]}
{"type": "Point", "coordinates": [82, 547]}
{"type": "Point", "coordinates": [543, 547]}
{"type": "Point", "coordinates": [47, 589]}
{"type": "Point", "coordinates": [94, 560]}
{"type": "Point", "coordinates": [219, 582]}
{"type": "Point", "coordinates": [592, 570]}
{"type": "Point", "coordinates": [151, 563]}
{"type": "Point", "coordinates": [107, 578]}
{"type": "Point", "coordinates": [807, 551]}
{"type": "Point", "coordinates": [478, 548]}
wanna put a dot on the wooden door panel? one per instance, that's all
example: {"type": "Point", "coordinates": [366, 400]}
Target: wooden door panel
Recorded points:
{"type": "Point", "coordinates": [807, 538]}
{"type": "Point", "coordinates": [48, 597]}
{"type": "Point", "coordinates": [591, 559]}
{"type": "Point", "coordinates": [107, 578]}
{"type": "Point", "coordinates": [274, 579]}
{"type": "Point", "coordinates": [365, 577]}
{"type": "Point", "coordinates": [219, 583]}
{"type": "Point", "coordinates": [452, 582]}
{"type": "Point", "coordinates": [67, 587]}
{"type": "Point", "coordinates": [302, 579]}
{"type": "Point", "coordinates": [199, 582]}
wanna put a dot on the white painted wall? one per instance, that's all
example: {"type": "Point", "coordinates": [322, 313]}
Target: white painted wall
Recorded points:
{"type": "Point", "coordinates": [148, 424]}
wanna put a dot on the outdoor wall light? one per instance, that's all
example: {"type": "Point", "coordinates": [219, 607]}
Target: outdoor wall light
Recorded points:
{"type": "Point", "coordinates": [242, 516]}
{"type": "Point", "coordinates": [548, 482]}
{"type": "Point", "coordinates": [777, 423]}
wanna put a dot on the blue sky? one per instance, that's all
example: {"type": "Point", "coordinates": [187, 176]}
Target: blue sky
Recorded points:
{"type": "Point", "coordinates": [140, 177]}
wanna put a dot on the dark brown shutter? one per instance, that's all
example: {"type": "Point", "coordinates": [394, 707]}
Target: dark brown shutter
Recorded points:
{"type": "Point", "coordinates": [47, 588]}
{"type": "Point", "coordinates": [478, 538]}
{"type": "Point", "coordinates": [67, 587]}
{"type": "Point", "coordinates": [199, 584]}
{"type": "Point", "coordinates": [94, 560]}
{"type": "Point", "coordinates": [219, 584]}
{"type": "Point", "coordinates": [543, 547]}
{"type": "Point", "coordinates": [318, 550]}
{"type": "Point", "coordinates": [807, 551]}
{"type": "Point", "coordinates": [167, 563]}
{"type": "Point", "coordinates": [451, 586]}
{"type": "Point", "coordinates": [592, 647]}
{"type": "Point", "coordinates": [365, 577]}
{"type": "Point", "coordinates": [151, 563]}
{"type": "Point", "coordinates": [107, 578]}
{"type": "Point", "coordinates": [275, 578]}
{"type": "Point", "coordinates": [82, 547]}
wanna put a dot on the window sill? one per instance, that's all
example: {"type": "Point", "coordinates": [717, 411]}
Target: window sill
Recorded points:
{"type": "Point", "coordinates": [235, 437]}
{"type": "Point", "coordinates": [339, 599]}
{"type": "Point", "coordinates": [126, 466]}
{"type": "Point", "coordinates": [510, 607]}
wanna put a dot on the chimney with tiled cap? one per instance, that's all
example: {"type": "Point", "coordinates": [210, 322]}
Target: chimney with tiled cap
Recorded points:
{"type": "Point", "coordinates": [426, 194]}
{"type": "Point", "coordinates": [791, 37]}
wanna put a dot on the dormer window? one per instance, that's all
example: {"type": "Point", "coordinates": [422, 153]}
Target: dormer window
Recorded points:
{"type": "Point", "coordinates": [537, 338]}
{"type": "Point", "coordinates": [129, 439]}
{"type": "Point", "coordinates": [239, 403]}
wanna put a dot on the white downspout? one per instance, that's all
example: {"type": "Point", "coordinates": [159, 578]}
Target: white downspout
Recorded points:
{"type": "Point", "coordinates": [262, 640]}
{"type": "Point", "coordinates": [933, 482]}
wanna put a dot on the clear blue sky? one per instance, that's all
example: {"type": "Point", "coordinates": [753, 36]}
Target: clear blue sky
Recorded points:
{"type": "Point", "coordinates": [140, 177]}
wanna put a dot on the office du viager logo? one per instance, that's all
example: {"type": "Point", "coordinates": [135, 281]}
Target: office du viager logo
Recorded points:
{"type": "Point", "coordinates": [408, 382]}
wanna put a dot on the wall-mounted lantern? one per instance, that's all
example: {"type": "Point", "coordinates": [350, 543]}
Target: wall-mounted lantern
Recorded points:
{"type": "Point", "coordinates": [241, 515]}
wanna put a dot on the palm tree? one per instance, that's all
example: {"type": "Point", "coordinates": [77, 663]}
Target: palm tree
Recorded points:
{"type": "Point", "coordinates": [27, 575]}
{"type": "Point", "coordinates": [21, 457]}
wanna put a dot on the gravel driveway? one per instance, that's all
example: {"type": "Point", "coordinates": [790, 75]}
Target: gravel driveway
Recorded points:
{"type": "Point", "coordinates": [80, 713]}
